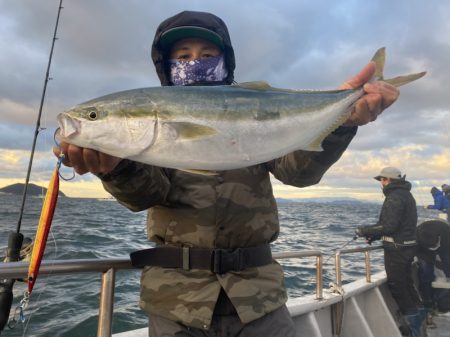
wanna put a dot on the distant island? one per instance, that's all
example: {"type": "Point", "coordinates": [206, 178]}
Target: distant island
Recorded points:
{"type": "Point", "coordinates": [33, 190]}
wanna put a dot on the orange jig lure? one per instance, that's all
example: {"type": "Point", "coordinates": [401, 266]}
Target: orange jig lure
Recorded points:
{"type": "Point", "coordinates": [45, 221]}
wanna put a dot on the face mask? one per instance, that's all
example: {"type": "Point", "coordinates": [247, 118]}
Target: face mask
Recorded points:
{"type": "Point", "coordinates": [201, 70]}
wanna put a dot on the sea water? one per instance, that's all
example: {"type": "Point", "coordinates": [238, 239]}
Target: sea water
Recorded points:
{"type": "Point", "coordinates": [67, 305]}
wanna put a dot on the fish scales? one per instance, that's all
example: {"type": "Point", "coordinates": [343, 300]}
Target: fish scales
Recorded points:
{"type": "Point", "coordinates": [212, 127]}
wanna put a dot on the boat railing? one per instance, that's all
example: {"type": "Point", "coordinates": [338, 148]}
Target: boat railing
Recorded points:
{"type": "Point", "coordinates": [109, 266]}
{"type": "Point", "coordinates": [338, 257]}
{"type": "Point", "coordinates": [307, 253]}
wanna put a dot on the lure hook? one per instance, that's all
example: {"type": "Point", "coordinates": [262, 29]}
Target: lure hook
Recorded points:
{"type": "Point", "coordinates": [19, 315]}
{"type": "Point", "coordinates": [61, 158]}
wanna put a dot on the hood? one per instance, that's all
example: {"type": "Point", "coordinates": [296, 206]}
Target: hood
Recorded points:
{"type": "Point", "coordinates": [435, 192]}
{"type": "Point", "coordinates": [196, 19]}
{"type": "Point", "coordinates": [428, 233]}
{"type": "Point", "coordinates": [397, 184]}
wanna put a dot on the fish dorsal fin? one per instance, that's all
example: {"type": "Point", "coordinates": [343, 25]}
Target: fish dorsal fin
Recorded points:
{"type": "Point", "coordinates": [187, 130]}
{"type": "Point", "coordinates": [256, 85]}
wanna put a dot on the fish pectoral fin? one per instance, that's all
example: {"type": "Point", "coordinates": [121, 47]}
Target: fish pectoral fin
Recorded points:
{"type": "Point", "coordinates": [187, 130]}
{"type": "Point", "coordinates": [401, 80]}
{"type": "Point", "coordinates": [256, 85]}
{"type": "Point", "coordinates": [200, 172]}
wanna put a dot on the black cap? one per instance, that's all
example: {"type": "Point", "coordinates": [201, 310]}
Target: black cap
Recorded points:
{"type": "Point", "coordinates": [169, 37]}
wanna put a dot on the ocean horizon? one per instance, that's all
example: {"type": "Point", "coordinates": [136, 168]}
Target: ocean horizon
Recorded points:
{"type": "Point", "coordinates": [67, 305]}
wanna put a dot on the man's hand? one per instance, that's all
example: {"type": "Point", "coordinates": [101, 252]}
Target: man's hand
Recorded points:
{"type": "Point", "coordinates": [370, 239]}
{"type": "Point", "coordinates": [378, 96]}
{"type": "Point", "coordinates": [86, 160]}
{"type": "Point", "coordinates": [358, 231]}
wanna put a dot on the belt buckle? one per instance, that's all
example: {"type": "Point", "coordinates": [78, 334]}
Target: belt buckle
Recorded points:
{"type": "Point", "coordinates": [226, 260]}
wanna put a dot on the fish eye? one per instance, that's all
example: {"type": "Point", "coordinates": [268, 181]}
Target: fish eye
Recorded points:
{"type": "Point", "coordinates": [92, 115]}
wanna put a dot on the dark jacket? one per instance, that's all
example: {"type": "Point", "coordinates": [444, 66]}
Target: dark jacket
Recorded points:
{"type": "Point", "coordinates": [232, 209]}
{"type": "Point", "coordinates": [398, 217]}
{"type": "Point", "coordinates": [429, 233]}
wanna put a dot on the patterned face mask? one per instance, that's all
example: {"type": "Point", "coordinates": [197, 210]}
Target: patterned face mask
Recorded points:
{"type": "Point", "coordinates": [201, 70]}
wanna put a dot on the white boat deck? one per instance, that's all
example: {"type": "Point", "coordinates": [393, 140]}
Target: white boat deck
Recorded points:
{"type": "Point", "coordinates": [362, 309]}
{"type": "Point", "coordinates": [442, 322]}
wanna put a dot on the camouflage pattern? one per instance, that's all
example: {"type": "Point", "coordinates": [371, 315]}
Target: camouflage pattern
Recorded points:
{"type": "Point", "coordinates": [277, 323]}
{"type": "Point", "coordinates": [234, 209]}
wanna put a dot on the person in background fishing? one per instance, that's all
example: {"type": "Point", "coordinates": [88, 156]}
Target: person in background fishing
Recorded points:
{"type": "Point", "coordinates": [441, 203]}
{"type": "Point", "coordinates": [433, 239]}
{"type": "Point", "coordinates": [396, 227]}
{"type": "Point", "coordinates": [212, 273]}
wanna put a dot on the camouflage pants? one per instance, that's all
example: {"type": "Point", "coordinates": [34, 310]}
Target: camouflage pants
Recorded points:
{"type": "Point", "coordinates": [278, 323]}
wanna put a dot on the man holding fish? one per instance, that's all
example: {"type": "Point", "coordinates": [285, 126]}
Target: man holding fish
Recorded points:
{"type": "Point", "coordinates": [211, 273]}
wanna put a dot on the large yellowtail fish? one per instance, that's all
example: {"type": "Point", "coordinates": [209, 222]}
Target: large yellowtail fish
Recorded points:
{"type": "Point", "coordinates": [212, 127]}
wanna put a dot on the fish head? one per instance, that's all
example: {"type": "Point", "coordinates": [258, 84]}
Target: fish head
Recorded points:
{"type": "Point", "coordinates": [75, 120]}
{"type": "Point", "coordinates": [113, 125]}
{"type": "Point", "coordinates": [83, 122]}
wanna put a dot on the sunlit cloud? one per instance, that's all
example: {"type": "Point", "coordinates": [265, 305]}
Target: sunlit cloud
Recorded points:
{"type": "Point", "coordinates": [289, 44]}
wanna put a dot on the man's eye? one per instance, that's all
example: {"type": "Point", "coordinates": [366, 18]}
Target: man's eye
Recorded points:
{"type": "Point", "coordinates": [183, 57]}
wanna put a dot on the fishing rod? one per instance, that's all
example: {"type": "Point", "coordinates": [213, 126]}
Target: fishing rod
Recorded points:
{"type": "Point", "coordinates": [15, 239]}
{"type": "Point", "coordinates": [345, 245]}
{"type": "Point", "coordinates": [369, 240]}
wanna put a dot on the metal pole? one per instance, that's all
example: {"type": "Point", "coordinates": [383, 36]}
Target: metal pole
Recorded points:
{"type": "Point", "coordinates": [319, 278]}
{"type": "Point", "coordinates": [338, 269]}
{"type": "Point", "coordinates": [367, 260]}
{"type": "Point", "coordinates": [106, 304]}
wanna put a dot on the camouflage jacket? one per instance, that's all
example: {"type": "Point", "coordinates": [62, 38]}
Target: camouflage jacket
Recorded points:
{"type": "Point", "coordinates": [234, 209]}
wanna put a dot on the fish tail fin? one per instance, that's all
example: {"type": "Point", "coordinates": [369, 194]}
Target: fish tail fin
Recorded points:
{"type": "Point", "coordinates": [401, 80]}
{"type": "Point", "coordinates": [379, 58]}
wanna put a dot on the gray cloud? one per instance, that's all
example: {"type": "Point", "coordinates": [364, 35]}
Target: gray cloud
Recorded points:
{"type": "Point", "coordinates": [104, 46]}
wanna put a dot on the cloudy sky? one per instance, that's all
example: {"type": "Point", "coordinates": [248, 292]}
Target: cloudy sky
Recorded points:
{"type": "Point", "coordinates": [104, 46]}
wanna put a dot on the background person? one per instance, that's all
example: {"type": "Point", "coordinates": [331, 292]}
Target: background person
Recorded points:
{"type": "Point", "coordinates": [433, 238]}
{"type": "Point", "coordinates": [396, 226]}
{"type": "Point", "coordinates": [441, 203]}
{"type": "Point", "coordinates": [193, 214]}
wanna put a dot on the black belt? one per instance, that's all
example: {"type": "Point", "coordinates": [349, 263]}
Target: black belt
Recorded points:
{"type": "Point", "coordinates": [218, 261]}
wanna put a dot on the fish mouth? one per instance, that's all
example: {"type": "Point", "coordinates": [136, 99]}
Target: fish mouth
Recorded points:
{"type": "Point", "coordinates": [68, 125]}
